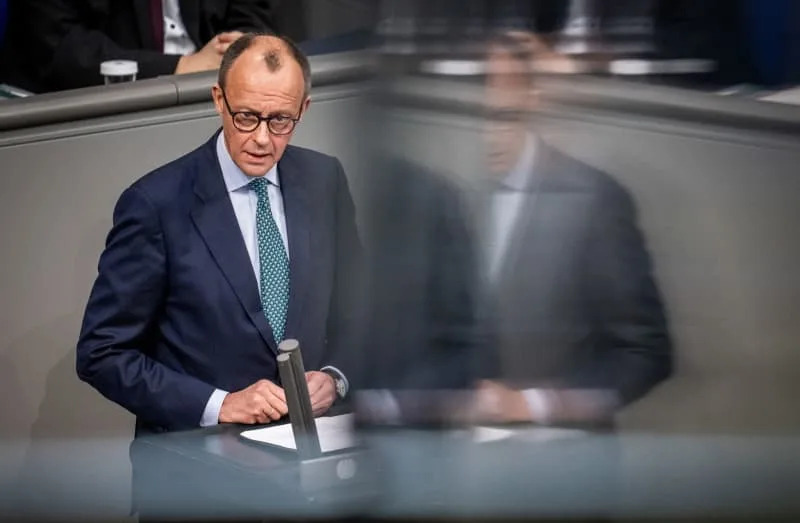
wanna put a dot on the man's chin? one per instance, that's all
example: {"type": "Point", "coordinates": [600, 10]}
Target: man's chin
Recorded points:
{"type": "Point", "coordinates": [498, 169]}
{"type": "Point", "coordinates": [257, 168]}
{"type": "Point", "coordinates": [497, 164]}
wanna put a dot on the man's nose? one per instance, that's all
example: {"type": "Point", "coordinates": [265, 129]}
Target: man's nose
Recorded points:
{"type": "Point", "coordinates": [262, 135]}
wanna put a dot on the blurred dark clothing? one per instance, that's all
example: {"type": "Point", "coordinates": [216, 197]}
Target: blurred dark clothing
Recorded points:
{"type": "Point", "coordinates": [421, 322]}
{"type": "Point", "coordinates": [574, 304]}
{"type": "Point", "coordinates": [750, 41]}
{"type": "Point", "coordinates": [59, 44]}
{"type": "Point", "coordinates": [773, 38]}
{"type": "Point", "coordinates": [3, 20]}
{"type": "Point", "coordinates": [706, 29]}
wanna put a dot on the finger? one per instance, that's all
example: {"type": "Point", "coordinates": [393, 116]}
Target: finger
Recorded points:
{"type": "Point", "coordinates": [275, 390]}
{"type": "Point", "coordinates": [259, 407]}
{"type": "Point", "coordinates": [276, 403]}
{"type": "Point", "coordinates": [315, 383]}
{"type": "Point", "coordinates": [321, 407]}
{"type": "Point", "coordinates": [253, 412]}
{"type": "Point", "coordinates": [324, 393]}
{"type": "Point", "coordinates": [265, 409]}
{"type": "Point", "coordinates": [323, 397]}
{"type": "Point", "coordinates": [229, 36]}
{"type": "Point", "coordinates": [272, 413]}
{"type": "Point", "coordinates": [268, 389]}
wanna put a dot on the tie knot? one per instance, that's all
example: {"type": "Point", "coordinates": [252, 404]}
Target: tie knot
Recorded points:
{"type": "Point", "coordinates": [259, 185]}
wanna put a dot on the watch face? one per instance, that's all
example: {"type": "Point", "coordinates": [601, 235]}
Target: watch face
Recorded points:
{"type": "Point", "coordinates": [340, 390]}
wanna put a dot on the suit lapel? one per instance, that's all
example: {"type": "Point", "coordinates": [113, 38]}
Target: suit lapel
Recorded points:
{"type": "Point", "coordinates": [524, 227]}
{"type": "Point", "coordinates": [214, 218]}
{"type": "Point", "coordinates": [297, 210]}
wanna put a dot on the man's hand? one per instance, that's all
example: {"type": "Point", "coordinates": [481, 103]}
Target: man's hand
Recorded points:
{"type": "Point", "coordinates": [261, 402]}
{"type": "Point", "coordinates": [224, 40]}
{"type": "Point", "coordinates": [209, 57]}
{"type": "Point", "coordinates": [322, 390]}
{"type": "Point", "coordinates": [499, 404]}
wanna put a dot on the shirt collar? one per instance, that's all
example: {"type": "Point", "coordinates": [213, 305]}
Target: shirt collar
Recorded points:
{"type": "Point", "coordinates": [234, 178]}
{"type": "Point", "coordinates": [519, 176]}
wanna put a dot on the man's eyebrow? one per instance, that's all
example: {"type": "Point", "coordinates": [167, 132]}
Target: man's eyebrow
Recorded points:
{"type": "Point", "coordinates": [245, 109]}
{"type": "Point", "coordinates": [277, 112]}
{"type": "Point", "coordinates": [268, 115]}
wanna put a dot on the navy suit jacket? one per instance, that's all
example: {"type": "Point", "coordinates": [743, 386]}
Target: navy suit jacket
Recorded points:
{"type": "Point", "coordinates": [175, 310]}
{"type": "Point", "coordinates": [576, 304]}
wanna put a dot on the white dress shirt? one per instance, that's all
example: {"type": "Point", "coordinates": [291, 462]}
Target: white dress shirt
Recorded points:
{"type": "Point", "coordinates": [245, 202]}
{"type": "Point", "coordinates": [506, 206]}
{"type": "Point", "coordinates": [176, 38]}
{"type": "Point", "coordinates": [504, 219]}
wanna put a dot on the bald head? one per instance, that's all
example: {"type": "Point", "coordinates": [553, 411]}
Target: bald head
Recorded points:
{"type": "Point", "coordinates": [274, 52]}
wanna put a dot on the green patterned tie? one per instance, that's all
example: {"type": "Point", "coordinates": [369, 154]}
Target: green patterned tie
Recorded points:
{"type": "Point", "coordinates": [273, 262]}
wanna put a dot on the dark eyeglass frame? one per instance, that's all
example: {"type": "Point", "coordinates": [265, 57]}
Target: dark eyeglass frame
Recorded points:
{"type": "Point", "coordinates": [267, 119]}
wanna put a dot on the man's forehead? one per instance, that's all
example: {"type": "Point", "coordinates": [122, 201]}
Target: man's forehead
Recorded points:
{"type": "Point", "coordinates": [271, 57]}
{"type": "Point", "coordinates": [256, 75]}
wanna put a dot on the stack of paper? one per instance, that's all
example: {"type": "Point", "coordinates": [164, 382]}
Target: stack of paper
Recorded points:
{"type": "Point", "coordinates": [335, 433]}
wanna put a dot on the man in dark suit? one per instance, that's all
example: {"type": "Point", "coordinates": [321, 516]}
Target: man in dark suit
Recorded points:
{"type": "Point", "coordinates": [60, 44]}
{"type": "Point", "coordinates": [217, 256]}
{"type": "Point", "coordinates": [576, 317]}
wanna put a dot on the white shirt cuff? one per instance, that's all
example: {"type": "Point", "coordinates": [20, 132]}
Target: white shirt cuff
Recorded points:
{"type": "Point", "coordinates": [214, 405]}
{"type": "Point", "coordinates": [341, 375]}
{"type": "Point", "coordinates": [540, 405]}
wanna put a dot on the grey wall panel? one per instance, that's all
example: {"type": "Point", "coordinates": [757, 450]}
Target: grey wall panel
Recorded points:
{"type": "Point", "coordinates": [55, 210]}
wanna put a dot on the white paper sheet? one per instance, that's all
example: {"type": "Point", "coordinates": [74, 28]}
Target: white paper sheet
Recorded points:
{"type": "Point", "coordinates": [335, 433]}
{"type": "Point", "coordinates": [530, 434]}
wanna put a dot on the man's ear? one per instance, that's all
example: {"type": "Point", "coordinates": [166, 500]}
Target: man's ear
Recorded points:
{"type": "Point", "coordinates": [216, 95]}
{"type": "Point", "coordinates": [305, 105]}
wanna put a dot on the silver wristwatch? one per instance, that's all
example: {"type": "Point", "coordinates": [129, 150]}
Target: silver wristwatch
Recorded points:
{"type": "Point", "coordinates": [341, 385]}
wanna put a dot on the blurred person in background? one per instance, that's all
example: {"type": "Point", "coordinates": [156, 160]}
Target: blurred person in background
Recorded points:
{"type": "Point", "coordinates": [60, 44]}
{"type": "Point", "coordinates": [420, 347]}
{"type": "Point", "coordinates": [574, 314]}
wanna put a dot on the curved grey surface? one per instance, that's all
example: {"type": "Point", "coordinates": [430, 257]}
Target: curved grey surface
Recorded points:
{"type": "Point", "coordinates": [157, 93]}
{"type": "Point", "coordinates": [582, 93]}
{"type": "Point", "coordinates": [587, 94]}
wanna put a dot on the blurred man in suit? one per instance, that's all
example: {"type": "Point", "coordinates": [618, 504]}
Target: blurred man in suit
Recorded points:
{"type": "Point", "coordinates": [577, 321]}
{"type": "Point", "coordinates": [215, 258]}
{"type": "Point", "coordinates": [60, 44]}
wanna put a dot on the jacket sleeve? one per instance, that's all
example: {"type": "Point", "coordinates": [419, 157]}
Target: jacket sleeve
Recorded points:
{"type": "Point", "coordinates": [631, 345]}
{"type": "Point", "coordinates": [345, 318]}
{"type": "Point", "coordinates": [118, 335]}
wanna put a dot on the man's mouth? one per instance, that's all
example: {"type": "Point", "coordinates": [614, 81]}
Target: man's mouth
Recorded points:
{"type": "Point", "coordinates": [256, 156]}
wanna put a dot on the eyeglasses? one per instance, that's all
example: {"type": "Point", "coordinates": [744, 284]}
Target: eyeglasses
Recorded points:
{"type": "Point", "coordinates": [248, 121]}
